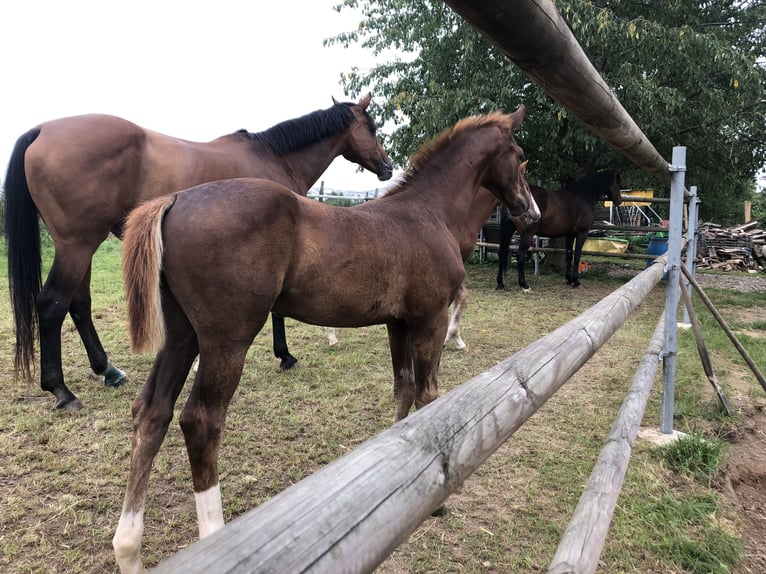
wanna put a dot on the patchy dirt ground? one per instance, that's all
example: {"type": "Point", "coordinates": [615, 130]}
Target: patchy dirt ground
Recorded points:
{"type": "Point", "coordinates": [744, 472]}
{"type": "Point", "coordinates": [64, 474]}
{"type": "Point", "coordinates": [744, 483]}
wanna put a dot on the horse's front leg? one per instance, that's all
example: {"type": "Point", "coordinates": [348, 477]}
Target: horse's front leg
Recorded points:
{"type": "Point", "coordinates": [521, 258]}
{"type": "Point", "coordinates": [401, 361]}
{"type": "Point", "coordinates": [152, 413]}
{"type": "Point", "coordinates": [426, 350]}
{"type": "Point", "coordinates": [570, 272]}
{"type": "Point", "coordinates": [458, 308]}
{"type": "Point", "coordinates": [506, 233]}
{"type": "Point", "coordinates": [575, 272]}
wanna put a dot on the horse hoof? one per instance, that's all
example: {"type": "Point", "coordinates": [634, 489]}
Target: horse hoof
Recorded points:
{"type": "Point", "coordinates": [114, 377]}
{"type": "Point", "coordinates": [69, 404]}
{"type": "Point", "coordinates": [500, 288]}
{"type": "Point", "coordinates": [288, 363]}
{"type": "Point", "coordinates": [526, 289]}
{"type": "Point", "coordinates": [575, 284]}
{"type": "Point", "coordinates": [440, 511]}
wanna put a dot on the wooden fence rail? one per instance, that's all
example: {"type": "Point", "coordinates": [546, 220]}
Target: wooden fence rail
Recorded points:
{"type": "Point", "coordinates": [350, 515]}
{"type": "Point", "coordinates": [583, 540]}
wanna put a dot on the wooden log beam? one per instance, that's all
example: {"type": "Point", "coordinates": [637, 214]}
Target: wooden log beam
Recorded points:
{"type": "Point", "coordinates": [583, 540]}
{"type": "Point", "coordinates": [350, 515]}
{"type": "Point", "coordinates": [707, 364]}
{"type": "Point", "coordinates": [514, 248]}
{"type": "Point", "coordinates": [726, 329]}
{"type": "Point", "coordinates": [537, 39]}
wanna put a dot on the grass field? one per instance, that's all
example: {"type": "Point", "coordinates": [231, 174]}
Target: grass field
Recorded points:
{"type": "Point", "coordinates": [63, 473]}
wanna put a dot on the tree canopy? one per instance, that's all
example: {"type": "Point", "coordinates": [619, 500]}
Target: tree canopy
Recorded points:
{"type": "Point", "coordinates": [690, 73]}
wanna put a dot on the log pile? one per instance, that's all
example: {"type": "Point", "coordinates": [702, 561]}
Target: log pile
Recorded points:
{"type": "Point", "coordinates": [740, 248]}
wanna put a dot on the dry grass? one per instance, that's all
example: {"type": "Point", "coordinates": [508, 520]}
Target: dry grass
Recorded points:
{"type": "Point", "coordinates": [63, 474]}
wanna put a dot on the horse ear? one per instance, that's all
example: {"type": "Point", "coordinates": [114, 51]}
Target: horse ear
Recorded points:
{"type": "Point", "coordinates": [365, 101]}
{"type": "Point", "coordinates": [517, 117]}
{"type": "Point", "coordinates": [523, 166]}
{"type": "Point", "coordinates": [334, 101]}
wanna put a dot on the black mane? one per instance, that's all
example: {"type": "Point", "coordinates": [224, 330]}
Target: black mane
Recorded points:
{"type": "Point", "coordinates": [297, 133]}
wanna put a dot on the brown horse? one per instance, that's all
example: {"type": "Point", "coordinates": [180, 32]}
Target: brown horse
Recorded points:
{"type": "Point", "coordinates": [189, 259]}
{"type": "Point", "coordinates": [483, 205]}
{"type": "Point", "coordinates": [83, 175]}
{"type": "Point", "coordinates": [566, 213]}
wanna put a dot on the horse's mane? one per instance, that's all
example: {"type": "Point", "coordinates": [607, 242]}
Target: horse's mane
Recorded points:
{"type": "Point", "coordinates": [425, 153]}
{"type": "Point", "coordinates": [297, 133]}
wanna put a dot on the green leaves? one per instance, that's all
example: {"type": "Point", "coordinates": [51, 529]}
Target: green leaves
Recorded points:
{"type": "Point", "coordinates": [688, 75]}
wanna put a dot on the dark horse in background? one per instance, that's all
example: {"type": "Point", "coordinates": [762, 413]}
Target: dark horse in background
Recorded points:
{"type": "Point", "coordinates": [203, 268]}
{"type": "Point", "coordinates": [83, 175]}
{"type": "Point", "coordinates": [565, 213]}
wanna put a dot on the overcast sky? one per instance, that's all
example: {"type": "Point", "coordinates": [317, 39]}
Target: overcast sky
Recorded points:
{"type": "Point", "coordinates": [193, 69]}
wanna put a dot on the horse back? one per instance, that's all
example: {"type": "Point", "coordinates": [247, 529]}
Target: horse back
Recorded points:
{"type": "Point", "coordinates": [561, 213]}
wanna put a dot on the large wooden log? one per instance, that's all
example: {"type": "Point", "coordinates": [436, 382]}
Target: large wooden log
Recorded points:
{"type": "Point", "coordinates": [537, 39]}
{"type": "Point", "coordinates": [350, 515]}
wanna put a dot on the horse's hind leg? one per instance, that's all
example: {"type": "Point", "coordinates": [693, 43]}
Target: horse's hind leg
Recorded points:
{"type": "Point", "coordinates": [152, 413]}
{"type": "Point", "coordinates": [202, 421]}
{"type": "Point", "coordinates": [458, 309]}
{"type": "Point", "coordinates": [280, 342]}
{"type": "Point", "coordinates": [80, 311]}
{"type": "Point", "coordinates": [69, 269]}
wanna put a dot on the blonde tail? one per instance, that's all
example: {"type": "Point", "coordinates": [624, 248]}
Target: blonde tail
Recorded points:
{"type": "Point", "coordinates": [141, 267]}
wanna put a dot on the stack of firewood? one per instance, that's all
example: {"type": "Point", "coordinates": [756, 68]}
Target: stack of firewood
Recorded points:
{"type": "Point", "coordinates": [740, 248]}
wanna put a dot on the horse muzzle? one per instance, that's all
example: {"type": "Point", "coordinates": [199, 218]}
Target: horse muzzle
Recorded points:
{"type": "Point", "coordinates": [385, 169]}
{"type": "Point", "coordinates": [529, 214]}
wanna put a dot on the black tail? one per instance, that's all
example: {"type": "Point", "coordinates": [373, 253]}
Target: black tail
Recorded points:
{"type": "Point", "coordinates": [22, 238]}
{"type": "Point", "coordinates": [506, 232]}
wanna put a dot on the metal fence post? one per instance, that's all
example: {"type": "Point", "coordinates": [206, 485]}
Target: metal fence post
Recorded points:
{"type": "Point", "coordinates": [691, 243]}
{"type": "Point", "coordinates": [672, 289]}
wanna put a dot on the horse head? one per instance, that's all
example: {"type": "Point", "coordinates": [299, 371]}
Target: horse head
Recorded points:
{"type": "Point", "coordinates": [362, 146]}
{"type": "Point", "coordinates": [614, 188]}
{"type": "Point", "coordinates": [506, 175]}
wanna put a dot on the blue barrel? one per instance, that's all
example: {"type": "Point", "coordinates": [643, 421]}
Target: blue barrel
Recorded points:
{"type": "Point", "coordinates": [657, 246]}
